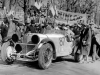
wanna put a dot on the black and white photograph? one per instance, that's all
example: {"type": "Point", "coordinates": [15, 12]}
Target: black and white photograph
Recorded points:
{"type": "Point", "coordinates": [49, 37]}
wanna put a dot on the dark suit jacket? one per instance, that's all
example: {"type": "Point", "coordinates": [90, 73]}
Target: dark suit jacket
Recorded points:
{"type": "Point", "coordinates": [86, 36]}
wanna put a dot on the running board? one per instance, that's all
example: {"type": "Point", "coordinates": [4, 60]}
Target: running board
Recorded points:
{"type": "Point", "coordinates": [23, 56]}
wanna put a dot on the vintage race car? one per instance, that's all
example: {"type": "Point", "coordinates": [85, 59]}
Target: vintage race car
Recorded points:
{"type": "Point", "coordinates": [37, 47]}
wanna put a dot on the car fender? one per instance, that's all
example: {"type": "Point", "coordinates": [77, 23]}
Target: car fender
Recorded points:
{"type": "Point", "coordinates": [40, 45]}
{"type": "Point", "coordinates": [44, 41]}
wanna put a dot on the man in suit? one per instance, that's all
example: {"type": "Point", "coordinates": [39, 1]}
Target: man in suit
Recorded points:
{"type": "Point", "coordinates": [4, 27]}
{"type": "Point", "coordinates": [95, 49]}
{"type": "Point", "coordinates": [95, 43]}
{"type": "Point", "coordinates": [77, 44]}
{"type": "Point", "coordinates": [86, 38]}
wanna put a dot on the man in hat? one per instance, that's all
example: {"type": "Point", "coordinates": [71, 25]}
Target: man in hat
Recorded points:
{"type": "Point", "coordinates": [42, 19]}
{"type": "Point", "coordinates": [78, 30]}
{"type": "Point", "coordinates": [30, 22]}
{"type": "Point", "coordinates": [95, 42]}
{"type": "Point", "coordinates": [5, 27]}
{"type": "Point", "coordinates": [85, 41]}
{"type": "Point", "coordinates": [95, 49]}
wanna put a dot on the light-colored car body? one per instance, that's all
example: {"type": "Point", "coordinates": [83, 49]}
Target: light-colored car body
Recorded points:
{"type": "Point", "coordinates": [31, 46]}
{"type": "Point", "coordinates": [61, 46]}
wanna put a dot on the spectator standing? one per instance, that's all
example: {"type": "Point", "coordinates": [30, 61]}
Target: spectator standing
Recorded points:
{"type": "Point", "coordinates": [95, 49]}
{"type": "Point", "coordinates": [76, 42]}
{"type": "Point", "coordinates": [4, 27]}
{"type": "Point", "coordinates": [86, 38]}
{"type": "Point", "coordinates": [95, 42]}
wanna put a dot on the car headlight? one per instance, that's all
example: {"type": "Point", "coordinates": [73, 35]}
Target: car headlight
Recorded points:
{"type": "Point", "coordinates": [15, 37]}
{"type": "Point", "coordinates": [18, 48]}
{"type": "Point", "coordinates": [35, 39]}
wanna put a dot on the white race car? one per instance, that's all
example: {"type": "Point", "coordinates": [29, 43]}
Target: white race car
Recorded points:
{"type": "Point", "coordinates": [37, 47]}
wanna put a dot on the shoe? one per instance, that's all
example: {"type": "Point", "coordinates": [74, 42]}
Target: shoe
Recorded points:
{"type": "Point", "coordinates": [82, 61]}
{"type": "Point", "coordinates": [87, 62]}
{"type": "Point", "coordinates": [92, 61]}
{"type": "Point", "coordinates": [72, 54]}
{"type": "Point", "coordinates": [98, 59]}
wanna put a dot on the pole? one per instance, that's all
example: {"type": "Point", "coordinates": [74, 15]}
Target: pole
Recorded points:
{"type": "Point", "coordinates": [54, 17]}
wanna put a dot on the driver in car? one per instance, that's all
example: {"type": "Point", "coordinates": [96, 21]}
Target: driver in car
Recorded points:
{"type": "Point", "coordinates": [30, 24]}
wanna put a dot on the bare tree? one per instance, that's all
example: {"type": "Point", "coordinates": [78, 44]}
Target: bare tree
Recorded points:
{"type": "Point", "coordinates": [80, 6]}
{"type": "Point", "coordinates": [2, 3]}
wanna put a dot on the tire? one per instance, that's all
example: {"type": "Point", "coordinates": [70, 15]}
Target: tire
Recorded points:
{"type": "Point", "coordinates": [44, 59]}
{"type": "Point", "coordinates": [78, 57]}
{"type": "Point", "coordinates": [4, 56]}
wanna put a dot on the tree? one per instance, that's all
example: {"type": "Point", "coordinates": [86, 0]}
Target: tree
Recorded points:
{"type": "Point", "coordinates": [79, 6]}
{"type": "Point", "coordinates": [2, 3]}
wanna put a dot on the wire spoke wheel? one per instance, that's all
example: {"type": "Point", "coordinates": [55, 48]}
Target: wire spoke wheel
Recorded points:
{"type": "Point", "coordinates": [45, 56]}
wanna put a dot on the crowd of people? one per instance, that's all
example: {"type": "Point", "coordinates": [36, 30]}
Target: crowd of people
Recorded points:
{"type": "Point", "coordinates": [84, 36]}
{"type": "Point", "coordinates": [86, 44]}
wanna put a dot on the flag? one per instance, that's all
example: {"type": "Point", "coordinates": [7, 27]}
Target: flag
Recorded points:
{"type": "Point", "coordinates": [38, 5]}
{"type": "Point", "coordinates": [52, 10]}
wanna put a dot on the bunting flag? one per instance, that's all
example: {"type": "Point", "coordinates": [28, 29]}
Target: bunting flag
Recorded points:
{"type": "Point", "coordinates": [11, 12]}
{"type": "Point", "coordinates": [38, 5]}
{"type": "Point", "coordinates": [56, 10]}
{"type": "Point", "coordinates": [52, 10]}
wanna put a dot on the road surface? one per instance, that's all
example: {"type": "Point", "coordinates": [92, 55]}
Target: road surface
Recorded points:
{"type": "Point", "coordinates": [65, 66]}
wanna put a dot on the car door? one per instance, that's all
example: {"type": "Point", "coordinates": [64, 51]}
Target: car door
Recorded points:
{"type": "Point", "coordinates": [65, 45]}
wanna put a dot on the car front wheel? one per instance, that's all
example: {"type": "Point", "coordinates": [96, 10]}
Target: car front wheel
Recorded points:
{"type": "Point", "coordinates": [45, 56]}
{"type": "Point", "coordinates": [6, 53]}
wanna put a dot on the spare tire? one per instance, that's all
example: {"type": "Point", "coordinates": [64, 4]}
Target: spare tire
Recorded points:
{"type": "Point", "coordinates": [6, 50]}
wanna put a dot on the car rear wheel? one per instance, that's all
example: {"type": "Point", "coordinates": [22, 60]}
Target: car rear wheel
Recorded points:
{"type": "Point", "coordinates": [78, 57]}
{"type": "Point", "coordinates": [45, 56]}
{"type": "Point", "coordinates": [6, 53]}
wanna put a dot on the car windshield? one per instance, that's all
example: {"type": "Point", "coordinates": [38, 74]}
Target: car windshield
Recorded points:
{"type": "Point", "coordinates": [54, 31]}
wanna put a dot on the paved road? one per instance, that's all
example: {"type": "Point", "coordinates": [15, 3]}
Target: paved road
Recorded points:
{"type": "Point", "coordinates": [65, 66]}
